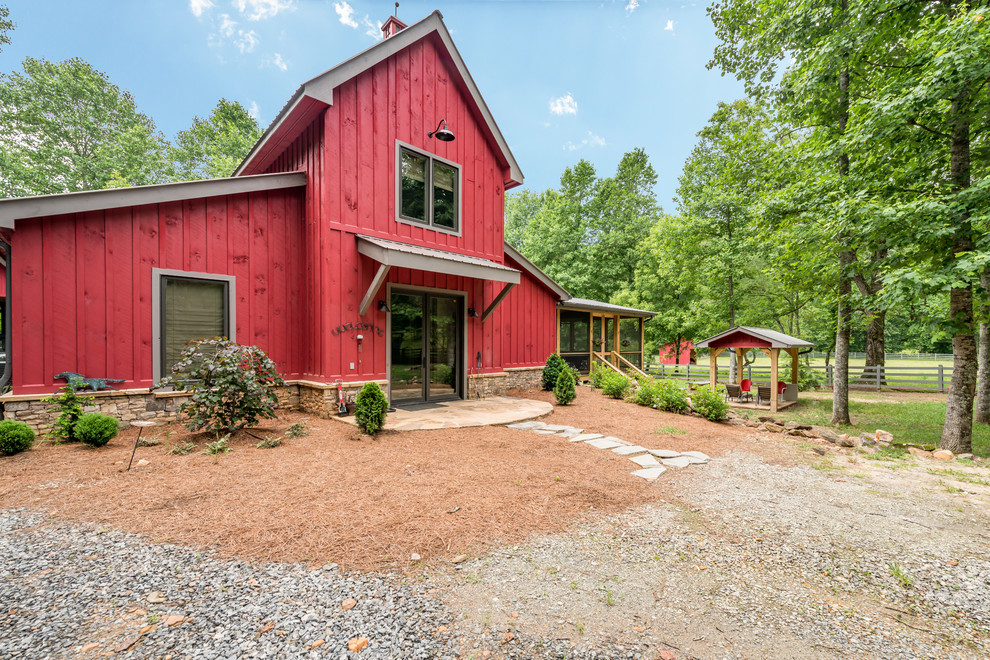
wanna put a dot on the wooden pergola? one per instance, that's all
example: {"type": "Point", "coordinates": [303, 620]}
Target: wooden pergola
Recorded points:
{"type": "Point", "coordinates": [743, 339]}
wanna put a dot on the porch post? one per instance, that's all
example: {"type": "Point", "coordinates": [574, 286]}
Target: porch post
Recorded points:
{"type": "Point", "coordinates": [774, 356]}
{"type": "Point", "coordinates": [713, 365]}
{"type": "Point", "coordinates": [794, 364]}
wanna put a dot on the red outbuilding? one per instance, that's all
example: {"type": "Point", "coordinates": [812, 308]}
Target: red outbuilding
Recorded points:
{"type": "Point", "coordinates": [360, 240]}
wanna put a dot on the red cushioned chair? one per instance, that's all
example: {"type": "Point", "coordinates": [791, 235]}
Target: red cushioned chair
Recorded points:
{"type": "Point", "coordinates": [746, 389]}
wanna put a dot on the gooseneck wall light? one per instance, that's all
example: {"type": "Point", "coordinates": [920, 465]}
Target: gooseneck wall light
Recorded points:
{"type": "Point", "coordinates": [442, 134]}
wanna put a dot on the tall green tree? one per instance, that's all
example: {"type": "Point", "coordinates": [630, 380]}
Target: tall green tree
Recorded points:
{"type": "Point", "coordinates": [6, 26]}
{"type": "Point", "coordinates": [214, 147]}
{"type": "Point", "coordinates": [65, 127]}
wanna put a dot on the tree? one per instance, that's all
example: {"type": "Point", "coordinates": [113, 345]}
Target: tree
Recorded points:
{"type": "Point", "coordinates": [215, 146]}
{"type": "Point", "coordinates": [65, 127]}
{"type": "Point", "coordinates": [6, 25]}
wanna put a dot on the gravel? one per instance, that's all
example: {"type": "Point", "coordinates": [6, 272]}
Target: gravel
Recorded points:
{"type": "Point", "coordinates": [65, 586]}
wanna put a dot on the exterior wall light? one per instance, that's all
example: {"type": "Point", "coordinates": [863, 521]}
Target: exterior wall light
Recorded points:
{"type": "Point", "coordinates": [383, 307]}
{"type": "Point", "coordinates": [442, 134]}
{"type": "Point", "coordinates": [473, 313]}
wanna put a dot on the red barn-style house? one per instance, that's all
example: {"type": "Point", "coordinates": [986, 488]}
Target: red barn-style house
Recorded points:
{"type": "Point", "coordinates": [360, 240]}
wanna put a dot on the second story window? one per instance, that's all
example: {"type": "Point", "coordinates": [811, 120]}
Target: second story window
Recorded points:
{"type": "Point", "coordinates": [429, 190]}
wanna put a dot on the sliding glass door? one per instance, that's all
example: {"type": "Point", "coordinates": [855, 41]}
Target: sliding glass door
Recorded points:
{"type": "Point", "coordinates": [426, 349]}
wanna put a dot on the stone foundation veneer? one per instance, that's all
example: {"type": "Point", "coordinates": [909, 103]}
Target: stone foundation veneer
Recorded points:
{"type": "Point", "coordinates": [318, 399]}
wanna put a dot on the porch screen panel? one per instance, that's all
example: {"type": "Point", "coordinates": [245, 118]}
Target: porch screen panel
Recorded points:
{"type": "Point", "coordinates": [191, 309]}
{"type": "Point", "coordinates": [575, 339]}
{"type": "Point", "coordinates": [630, 346]}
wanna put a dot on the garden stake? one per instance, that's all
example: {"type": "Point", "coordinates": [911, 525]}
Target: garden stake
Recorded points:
{"type": "Point", "coordinates": [140, 426]}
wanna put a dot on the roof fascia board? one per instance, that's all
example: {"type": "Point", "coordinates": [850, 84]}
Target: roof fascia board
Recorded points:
{"type": "Point", "coordinates": [19, 208]}
{"type": "Point", "coordinates": [622, 311]}
{"type": "Point", "coordinates": [535, 271]}
{"type": "Point", "coordinates": [321, 87]}
{"type": "Point", "coordinates": [431, 264]}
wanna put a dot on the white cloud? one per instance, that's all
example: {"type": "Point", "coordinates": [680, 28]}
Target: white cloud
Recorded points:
{"type": "Point", "coordinates": [279, 62]}
{"type": "Point", "coordinates": [253, 110]}
{"type": "Point", "coordinates": [227, 25]}
{"type": "Point", "coordinates": [565, 105]}
{"type": "Point", "coordinates": [591, 141]}
{"type": "Point", "coordinates": [345, 11]}
{"type": "Point", "coordinates": [669, 27]}
{"type": "Point", "coordinates": [257, 10]}
{"type": "Point", "coordinates": [374, 29]}
{"type": "Point", "coordinates": [246, 41]}
{"type": "Point", "coordinates": [197, 7]}
{"type": "Point", "coordinates": [632, 6]}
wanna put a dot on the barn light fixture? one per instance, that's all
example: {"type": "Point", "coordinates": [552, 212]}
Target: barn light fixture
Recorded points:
{"type": "Point", "coordinates": [383, 307]}
{"type": "Point", "coordinates": [442, 134]}
{"type": "Point", "coordinates": [473, 313]}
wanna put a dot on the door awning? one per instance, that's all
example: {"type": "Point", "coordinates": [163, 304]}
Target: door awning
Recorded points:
{"type": "Point", "coordinates": [392, 253]}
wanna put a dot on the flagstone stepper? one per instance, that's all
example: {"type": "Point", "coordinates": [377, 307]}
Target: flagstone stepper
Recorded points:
{"type": "Point", "coordinates": [604, 443]}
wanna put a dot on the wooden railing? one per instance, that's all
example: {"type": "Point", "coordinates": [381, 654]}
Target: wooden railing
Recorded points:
{"type": "Point", "coordinates": [601, 356]}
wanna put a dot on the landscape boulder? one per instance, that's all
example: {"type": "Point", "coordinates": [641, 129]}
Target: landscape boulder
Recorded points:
{"type": "Point", "coordinates": [845, 441]}
{"type": "Point", "coordinates": [797, 426]}
{"type": "Point", "coordinates": [943, 455]}
{"type": "Point", "coordinates": [867, 439]}
{"type": "Point", "coordinates": [773, 428]}
{"type": "Point", "coordinates": [883, 436]}
{"type": "Point", "coordinates": [914, 451]}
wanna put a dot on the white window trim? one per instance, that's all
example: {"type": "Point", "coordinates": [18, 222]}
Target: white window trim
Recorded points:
{"type": "Point", "coordinates": [157, 274]}
{"type": "Point", "coordinates": [457, 231]}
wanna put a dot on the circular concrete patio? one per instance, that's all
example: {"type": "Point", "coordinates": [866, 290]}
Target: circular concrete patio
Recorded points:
{"type": "Point", "coordinates": [459, 414]}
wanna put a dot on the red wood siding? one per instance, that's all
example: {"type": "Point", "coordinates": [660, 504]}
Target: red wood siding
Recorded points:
{"type": "Point", "coordinates": [528, 319]}
{"type": "Point", "coordinates": [82, 284]}
{"type": "Point", "coordinates": [740, 339]}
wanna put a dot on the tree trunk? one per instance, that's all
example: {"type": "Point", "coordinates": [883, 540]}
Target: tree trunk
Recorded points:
{"type": "Point", "coordinates": [840, 380]}
{"type": "Point", "coordinates": [957, 434]}
{"type": "Point", "coordinates": [875, 344]}
{"type": "Point", "coordinates": [983, 375]}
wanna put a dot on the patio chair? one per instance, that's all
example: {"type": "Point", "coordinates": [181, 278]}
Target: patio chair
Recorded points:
{"type": "Point", "coordinates": [746, 389]}
{"type": "Point", "coordinates": [781, 388]}
{"type": "Point", "coordinates": [762, 394]}
{"type": "Point", "coordinates": [732, 391]}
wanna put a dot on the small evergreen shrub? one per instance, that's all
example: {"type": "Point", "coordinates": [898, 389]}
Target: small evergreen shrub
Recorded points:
{"type": "Point", "coordinates": [232, 386]}
{"type": "Point", "coordinates": [69, 407]}
{"type": "Point", "coordinates": [615, 385]}
{"type": "Point", "coordinates": [370, 408]}
{"type": "Point", "coordinates": [96, 429]}
{"type": "Point", "coordinates": [710, 403]}
{"type": "Point", "coordinates": [555, 364]}
{"type": "Point", "coordinates": [15, 437]}
{"type": "Point", "coordinates": [671, 397]}
{"type": "Point", "coordinates": [565, 391]}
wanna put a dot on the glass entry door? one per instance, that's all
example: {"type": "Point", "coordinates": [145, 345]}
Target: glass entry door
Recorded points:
{"type": "Point", "coordinates": [603, 336]}
{"type": "Point", "coordinates": [426, 363]}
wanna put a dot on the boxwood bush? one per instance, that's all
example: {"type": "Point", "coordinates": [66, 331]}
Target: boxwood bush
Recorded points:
{"type": "Point", "coordinates": [95, 429]}
{"type": "Point", "coordinates": [370, 408]}
{"type": "Point", "coordinates": [710, 403]}
{"type": "Point", "coordinates": [15, 437]}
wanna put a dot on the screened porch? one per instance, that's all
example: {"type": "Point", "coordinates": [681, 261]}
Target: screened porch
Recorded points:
{"type": "Point", "coordinates": [589, 331]}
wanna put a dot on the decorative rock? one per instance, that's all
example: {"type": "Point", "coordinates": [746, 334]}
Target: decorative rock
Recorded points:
{"type": "Point", "coordinates": [773, 428]}
{"type": "Point", "coordinates": [914, 451]}
{"type": "Point", "coordinates": [414, 557]}
{"type": "Point", "coordinates": [677, 461]}
{"type": "Point", "coordinates": [604, 443]}
{"type": "Point", "coordinates": [867, 439]}
{"type": "Point", "coordinates": [797, 426]}
{"type": "Point", "coordinates": [883, 436]}
{"type": "Point", "coordinates": [650, 474]}
{"type": "Point", "coordinates": [845, 441]}
{"type": "Point", "coordinates": [142, 462]}
{"type": "Point", "coordinates": [629, 450]}
{"type": "Point", "coordinates": [173, 620]}
{"type": "Point", "coordinates": [943, 455]}
{"type": "Point", "coordinates": [357, 644]}
{"type": "Point", "coordinates": [584, 437]}
{"type": "Point", "coordinates": [964, 457]}
{"type": "Point", "coordinates": [767, 419]}
{"type": "Point", "coordinates": [819, 450]}
{"type": "Point", "coordinates": [460, 559]}
{"type": "Point", "coordinates": [155, 597]}
{"type": "Point", "coordinates": [646, 460]}
{"type": "Point", "coordinates": [348, 604]}
{"type": "Point", "coordinates": [665, 453]}
{"type": "Point", "coordinates": [827, 434]}
{"type": "Point", "coordinates": [751, 424]}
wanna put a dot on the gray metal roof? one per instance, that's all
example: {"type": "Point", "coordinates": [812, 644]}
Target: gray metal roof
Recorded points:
{"type": "Point", "coordinates": [776, 339]}
{"type": "Point", "coordinates": [597, 306]}
{"type": "Point", "coordinates": [405, 255]}
{"type": "Point", "coordinates": [37, 206]}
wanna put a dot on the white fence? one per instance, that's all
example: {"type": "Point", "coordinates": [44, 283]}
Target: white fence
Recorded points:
{"type": "Point", "coordinates": [927, 379]}
{"type": "Point", "coordinates": [892, 356]}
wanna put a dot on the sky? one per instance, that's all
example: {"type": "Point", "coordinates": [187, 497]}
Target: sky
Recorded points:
{"type": "Point", "coordinates": [564, 79]}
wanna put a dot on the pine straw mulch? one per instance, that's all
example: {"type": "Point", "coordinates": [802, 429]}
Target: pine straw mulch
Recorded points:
{"type": "Point", "coordinates": [364, 504]}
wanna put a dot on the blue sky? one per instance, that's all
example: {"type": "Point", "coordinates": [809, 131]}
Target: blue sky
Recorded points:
{"type": "Point", "coordinates": [565, 79]}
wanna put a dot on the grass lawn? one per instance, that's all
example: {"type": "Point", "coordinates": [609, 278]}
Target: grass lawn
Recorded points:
{"type": "Point", "coordinates": [914, 419]}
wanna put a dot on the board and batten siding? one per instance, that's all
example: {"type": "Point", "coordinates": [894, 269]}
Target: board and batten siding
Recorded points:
{"type": "Point", "coordinates": [528, 318]}
{"type": "Point", "coordinates": [82, 283]}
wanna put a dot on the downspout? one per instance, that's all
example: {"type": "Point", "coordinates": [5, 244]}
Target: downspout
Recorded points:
{"type": "Point", "coordinates": [7, 329]}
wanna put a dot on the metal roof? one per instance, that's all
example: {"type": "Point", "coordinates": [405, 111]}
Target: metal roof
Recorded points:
{"type": "Point", "coordinates": [394, 253]}
{"type": "Point", "coordinates": [597, 306]}
{"type": "Point", "coordinates": [776, 339]}
{"type": "Point", "coordinates": [19, 208]}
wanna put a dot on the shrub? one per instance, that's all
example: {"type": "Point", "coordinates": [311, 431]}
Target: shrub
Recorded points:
{"type": "Point", "coordinates": [647, 393]}
{"type": "Point", "coordinates": [555, 364]}
{"type": "Point", "coordinates": [671, 397]}
{"type": "Point", "coordinates": [370, 408]}
{"type": "Point", "coordinates": [232, 386]}
{"type": "Point", "coordinates": [269, 442]}
{"type": "Point", "coordinates": [181, 448]}
{"type": "Point", "coordinates": [710, 403]}
{"type": "Point", "coordinates": [808, 378]}
{"type": "Point", "coordinates": [615, 385]}
{"type": "Point", "coordinates": [219, 446]}
{"type": "Point", "coordinates": [597, 374]}
{"type": "Point", "coordinates": [15, 437]}
{"type": "Point", "coordinates": [297, 430]}
{"type": "Point", "coordinates": [564, 391]}
{"type": "Point", "coordinates": [69, 407]}
{"type": "Point", "coordinates": [95, 429]}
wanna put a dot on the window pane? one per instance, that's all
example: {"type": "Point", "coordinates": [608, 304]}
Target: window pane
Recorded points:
{"type": "Point", "coordinates": [413, 202]}
{"type": "Point", "coordinates": [629, 334]}
{"type": "Point", "coordinates": [191, 309]}
{"type": "Point", "coordinates": [444, 195]}
{"type": "Point", "coordinates": [574, 331]}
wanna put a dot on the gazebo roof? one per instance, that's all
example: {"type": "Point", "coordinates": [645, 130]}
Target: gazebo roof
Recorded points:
{"type": "Point", "coordinates": [745, 337]}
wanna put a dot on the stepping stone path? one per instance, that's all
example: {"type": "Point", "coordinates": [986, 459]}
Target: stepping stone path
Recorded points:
{"type": "Point", "coordinates": [652, 462]}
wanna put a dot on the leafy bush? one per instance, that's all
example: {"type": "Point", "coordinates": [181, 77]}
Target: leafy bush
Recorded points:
{"type": "Point", "coordinates": [268, 442]}
{"type": "Point", "coordinates": [181, 448]}
{"type": "Point", "coordinates": [219, 446]}
{"type": "Point", "coordinates": [615, 385]}
{"type": "Point", "coordinates": [15, 437]}
{"type": "Point", "coordinates": [564, 391]}
{"type": "Point", "coordinates": [96, 429]}
{"type": "Point", "coordinates": [69, 406]}
{"type": "Point", "coordinates": [597, 374]}
{"type": "Point", "coordinates": [232, 386]}
{"type": "Point", "coordinates": [710, 403]}
{"type": "Point", "coordinates": [647, 392]}
{"type": "Point", "coordinates": [297, 430]}
{"type": "Point", "coordinates": [671, 397]}
{"type": "Point", "coordinates": [370, 408]}
{"type": "Point", "coordinates": [555, 364]}
{"type": "Point", "coordinates": [808, 378]}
